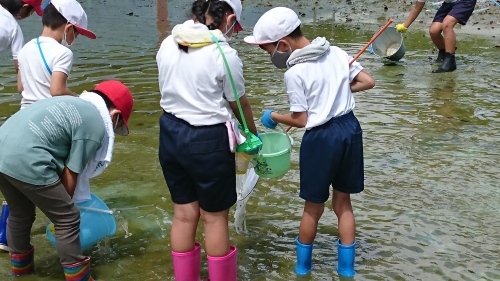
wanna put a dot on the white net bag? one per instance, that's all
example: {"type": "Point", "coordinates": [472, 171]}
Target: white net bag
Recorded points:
{"type": "Point", "coordinates": [245, 183]}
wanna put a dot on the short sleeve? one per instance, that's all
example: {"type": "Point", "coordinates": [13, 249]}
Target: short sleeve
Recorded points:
{"type": "Point", "coordinates": [80, 153]}
{"type": "Point", "coordinates": [17, 42]}
{"type": "Point", "coordinates": [63, 62]}
{"type": "Point", "coordinates": [236, 68]}
{"type": "Point", "coordinates": [296, 92]}
{"type": "Point", "coordinates": [354, 69]}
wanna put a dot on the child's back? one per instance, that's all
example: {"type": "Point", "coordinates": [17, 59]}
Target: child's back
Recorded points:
{"type": "Point", "coordinates": [325, 83]}
{"type": "Point", "coordinates": [38, 60]}
{"type": "Point", "coordinates": [45, 62]}
{"type": "Point", "coordinates": [11, 35]}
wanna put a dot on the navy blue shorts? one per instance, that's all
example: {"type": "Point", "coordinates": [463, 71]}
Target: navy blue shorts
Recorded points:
{"type": "Point", "coordinates": [332, 155]}
{"type": "Point", "coordinates": [197, 163]}
{"type": "Point", "coordinates": [461, 10]}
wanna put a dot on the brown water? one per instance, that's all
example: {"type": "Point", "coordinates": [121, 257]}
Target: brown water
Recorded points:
{"type": "Point", "coordinates": [431, 204]}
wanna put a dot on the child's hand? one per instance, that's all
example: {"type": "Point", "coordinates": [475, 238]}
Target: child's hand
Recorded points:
{"type": "Point", "coordinates": [257, 149]}
{"type": "Point", "coordinates": [401, 28]}
{"type": "Point", "coordinates": [267, 120]}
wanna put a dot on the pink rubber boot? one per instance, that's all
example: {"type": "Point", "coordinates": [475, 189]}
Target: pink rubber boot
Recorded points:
{"type": "Point", "coordinates": [223, 268]}
{"type": "Point", "coordinates": [187, 265]}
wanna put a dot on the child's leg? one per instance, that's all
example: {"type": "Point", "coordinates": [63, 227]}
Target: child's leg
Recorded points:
{"type": "Point", "coordinates": [21, 218]}
{"type": "Point", "coordinates": [449, 34]}
{"type": "Point", "coordinates": [307, 232]}
{"type": "Point", "coordinates": [309, 222]}
{"type": "Point", "coordinates": [341, 203]}
{"type": "Point", "coordinates": [54, 201]}
{"type": "Point", "coordinates": [346, 244]}
{"type": "Point", "coordinates": [436, 28]}
{"type": "Point", "coordinates": [222, 258]}
{"type": "Point", "coordinates": [183, 232]}
{"type": "Point", "coordinates": [437, 38]}
{"type": "Point", "coordinates": [185, 252]}
{"type": "Point", "coordinates": [216, 232]}
{"type": "Point", "coordinates": [459, 13]}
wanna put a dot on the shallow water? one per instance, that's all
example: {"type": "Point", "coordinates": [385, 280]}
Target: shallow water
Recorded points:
{"type": "Point", "coordinates": [431, 203]}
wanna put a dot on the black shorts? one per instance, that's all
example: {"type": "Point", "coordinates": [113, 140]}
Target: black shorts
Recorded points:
{"type": "Point", "coordinates": [332, 155]}
{"type": "Point", "coordinates": [461, 10]}
{"type": "Point", "coordinates": [197, 163]}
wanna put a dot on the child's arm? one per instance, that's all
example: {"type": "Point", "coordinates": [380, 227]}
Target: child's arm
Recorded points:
{"type": "Point", "coordinates": [58, 84]}
{"type": "Point", "coordinates": [19, 83]}
{"type": "Point", "coordinates": [295, 119]}
{"type": "Point", "coordinates": [362, 81]}
{"type": "Point", "coordinates": [247, 111]}
{"type": "Point", "coordinates": [411, 17]}
{"type": "Point", "coordinates": [68, 179]}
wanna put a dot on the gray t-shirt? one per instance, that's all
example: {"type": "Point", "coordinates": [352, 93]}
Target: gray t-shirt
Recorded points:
{"type": "Point", "coordinates": [38, 141]}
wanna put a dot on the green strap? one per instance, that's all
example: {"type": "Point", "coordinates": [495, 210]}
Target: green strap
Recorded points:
{"type": "Point", "coordinates": [216, 41]}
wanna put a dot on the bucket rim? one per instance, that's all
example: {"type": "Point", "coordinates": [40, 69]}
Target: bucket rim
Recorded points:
{"type": "Point", "coordinates": [281, 152]}
{"type": "Point", "coordinates": [274, 154]}
{"type": "Point", "coordinates": [401, 43]}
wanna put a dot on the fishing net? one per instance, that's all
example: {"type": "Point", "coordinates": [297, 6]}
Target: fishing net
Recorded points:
{"type": "Point", "coordinates": [245, 184]}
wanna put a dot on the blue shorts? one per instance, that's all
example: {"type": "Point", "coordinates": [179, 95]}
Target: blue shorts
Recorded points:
{"type": "Point", "coordinates": [197, 163]}
{"type": "Point", "coordinates": [332, 155]}
{"type": "Point", "coordinates": [461, 10]}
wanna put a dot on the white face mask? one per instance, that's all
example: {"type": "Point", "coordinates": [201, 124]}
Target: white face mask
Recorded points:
{"type": "Point", "coordinates": [227, 31]}
{"type": "Point", "coordinates": [65, 43]}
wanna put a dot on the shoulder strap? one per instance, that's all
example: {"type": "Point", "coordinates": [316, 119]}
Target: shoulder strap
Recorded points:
{"type": "Point", "coordinates": [43, 57]}
{"type": "Point", "coordinates": [216, 41]}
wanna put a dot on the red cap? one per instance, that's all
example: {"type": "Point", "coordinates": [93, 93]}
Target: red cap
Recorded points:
{"type": "Point", "coordinates": [121, 97]}
{"type": "Point", "coordinates": [36, 4]}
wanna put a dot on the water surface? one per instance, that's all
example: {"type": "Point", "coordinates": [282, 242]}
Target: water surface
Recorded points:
{"type": "Point", "coordinates": [431, 204]}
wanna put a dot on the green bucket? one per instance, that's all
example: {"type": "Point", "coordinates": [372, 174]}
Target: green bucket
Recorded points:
{"type": "Point", "coordinates": [273, 159]}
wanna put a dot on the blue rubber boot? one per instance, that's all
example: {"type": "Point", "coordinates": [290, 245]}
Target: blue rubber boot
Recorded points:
{"type": "Point", "coordinates": [3, 227]}
{"type": "Point", "coordinates": [346, 255]}
{"type": "Point", "coordinates": [304, 257]}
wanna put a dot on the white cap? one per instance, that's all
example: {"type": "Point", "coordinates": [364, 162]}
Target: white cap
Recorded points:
{"type": "Point", "coordinates": [237, 8]}
{"type": "Point", "coordinates": [273, 25]}
{"type": "Point", "coordinates": [73, 12]}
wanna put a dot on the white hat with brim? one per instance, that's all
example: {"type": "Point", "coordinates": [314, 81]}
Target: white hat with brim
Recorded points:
{"type": "Point", "coordinates": [273, 25]}
{"type": "Point", "coordinates": [237, 9]}
{"type": "Point", "coordinates": [73, 12]}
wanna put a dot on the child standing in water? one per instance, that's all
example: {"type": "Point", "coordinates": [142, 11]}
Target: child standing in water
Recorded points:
{"type": "Point", "coordinates": [11, 35]}
{"type": "Point", "coordinates": [319, 82]}
{"type": "Point", "coordinates": [194, 153]}
{"type": "Point", "coordinates": [441, 30]}
{"type": "Point", "coordinates": [46, 61]}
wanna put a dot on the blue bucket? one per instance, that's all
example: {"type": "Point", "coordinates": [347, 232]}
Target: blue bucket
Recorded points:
{"type": "Point", "coordinates": [96, 222]}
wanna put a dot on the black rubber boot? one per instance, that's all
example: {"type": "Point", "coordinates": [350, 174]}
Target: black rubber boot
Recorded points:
{"type": "Point", "coordinates": [440, 57]}
{"type": "Point", "coordinates": [448, 64]}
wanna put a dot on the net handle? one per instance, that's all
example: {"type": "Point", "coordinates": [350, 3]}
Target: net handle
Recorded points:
{"type": "Point", "coordinates": [233, 86]}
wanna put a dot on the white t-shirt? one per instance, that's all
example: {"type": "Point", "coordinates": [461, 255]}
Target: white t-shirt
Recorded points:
{"type": "Point", "coordinates": [35, 76]}
{"type": "Point", "coordinates": [11, 35]}
{"type": "Point", "coordinates": [195, 86]}
{"type": "Point", "coordinates": [322, 87]}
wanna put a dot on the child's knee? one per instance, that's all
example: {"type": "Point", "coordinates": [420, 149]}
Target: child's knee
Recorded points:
{"type": "Point", "coordinates": [315, 210]}
{"type": "Point", "coordinates": [448, 26]}
{"type": "Point", "coordinates": [341, 203]}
